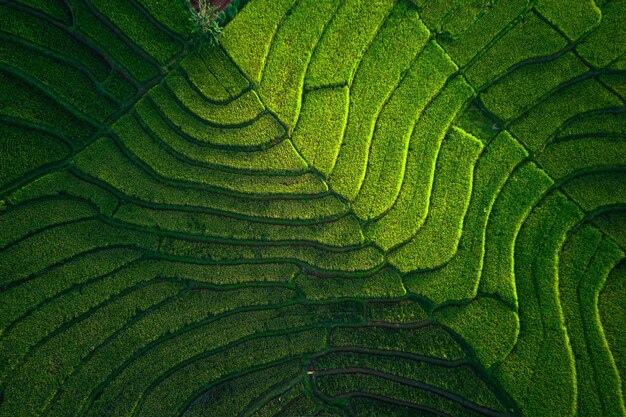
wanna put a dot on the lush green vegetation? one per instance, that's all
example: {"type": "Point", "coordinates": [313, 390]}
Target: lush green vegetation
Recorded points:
{"type": "Point", "coordinates": [342, 208]}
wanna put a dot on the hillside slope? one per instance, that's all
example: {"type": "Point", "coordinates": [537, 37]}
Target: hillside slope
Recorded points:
{"type": "Point", "coordinates": [348, 208]}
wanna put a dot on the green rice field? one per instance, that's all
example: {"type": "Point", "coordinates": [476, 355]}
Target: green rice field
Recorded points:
{"type": "Point", "coordinates": [363, 208]}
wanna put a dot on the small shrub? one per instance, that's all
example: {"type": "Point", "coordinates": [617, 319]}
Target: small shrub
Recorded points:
{"type": "Point", "coordinates": [206, 21]}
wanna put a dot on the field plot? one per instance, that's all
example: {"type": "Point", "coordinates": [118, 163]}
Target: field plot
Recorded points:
{"type": "Point", "coordinates": [346, 208]}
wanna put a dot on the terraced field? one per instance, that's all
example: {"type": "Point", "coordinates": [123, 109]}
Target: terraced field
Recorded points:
{"type": "Point", "coordinates": [348, 208]}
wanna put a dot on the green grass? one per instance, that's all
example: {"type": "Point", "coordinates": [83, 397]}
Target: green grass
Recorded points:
{"type": "Point", "coordinates": [344, 42]}
{"type": "Point", "coordinates": [584, 265]}
{"type": "Point", "coordinates": [282, 157]}
{"type": "Point", "coordinates": [237, 112]}
{"type": "Point", "coordinates": [34, 31]}
{"type": "Point", "coordinates": [598, 47]}
{"type": "Point", "coordinates": [248, 39]}
{"type": "Point", "coordinates": [459, 278]}
{"type": "Point", "coordinates": [243, 131]}
{"type": "Point", "coordinates": [437, 240]}
{"type": "Point", "coordinates": [345, 208]}
{"type": "Point", "coordinates": [383, 284]}
{"type": "Point", "coordinates": [532, 38]}
{"type": "Point", "coordinates": [401, 36]}
{"type": "Point", "coordinates": [542, 340]}
{"type": "Point", "coordinates": [537, 128]}
{"type": "Point", "coordinates": [611, 311]}
{"type": "Point", "coordinates": [136, 26]}
{"type": "Point", "coordinates": [30, 149]}
{"type": "Point", "coordinates": [410, 209]}
{"type": "Point", "coordinates": [322, 110]}
{"type": "Point", "coordinates": [517, 91]}
{"type": "Point", "coordinates": [522, 191]}
{"type": "Point", "coordinates": [288, 58]}
{"type": "Point", "coordinates": [487, 326]}
{"type": "Point", "coordinates": [430, 341]}
{"type": "Point", "coordinates": [394, 127]}
{"type": "Point", "coordinates": [574, 18]}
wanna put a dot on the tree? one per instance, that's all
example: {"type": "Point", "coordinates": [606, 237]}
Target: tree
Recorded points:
{"type": "Point", "coordinates": [205, 18]}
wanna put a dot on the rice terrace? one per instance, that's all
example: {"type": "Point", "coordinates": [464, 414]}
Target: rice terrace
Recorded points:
{"type": "Point", "coordinates": [364, 208]}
